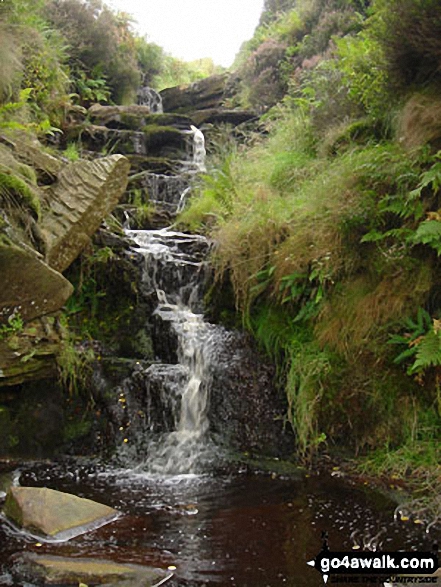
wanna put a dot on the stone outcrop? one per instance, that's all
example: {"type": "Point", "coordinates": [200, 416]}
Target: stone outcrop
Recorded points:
{"type": "Point", "coordinates": [205, 102]}
{"type": "Point", "coordinates": [206, 93]}
{"type": "Point", "coordinates": [54, 514]}
{"type": "Point", "coordinates": [134, 117]}
{"type": "Point", "coordinates": [222, 115]}
{"type": "Point", "coordinates": [31, 353]}
{"type": "Point", "coordinates": [133, 131]}
{"type": "Point", "coordinates": [70, 572]}
{"type": "Point", "coordinates": [30, 288]}
{"type": "Point", "coordinates": [84, 194]}
{"type": "Point", "coordinates": [239, 366]}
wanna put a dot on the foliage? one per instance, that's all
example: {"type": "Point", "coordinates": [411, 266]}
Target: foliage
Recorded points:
{"type": "Point", "coordinates": [175, 72]}
{"type": "Point", "coordinates": [305, 387]}
{"type": "Point", "coordinates": [410, 32]}
{"type": "Point", "coordinates": [421, 341]}
{"type": "Point", "coordinates": [14, 326]}
{"type": "Point", "coordinates": [10, 63]}
{"type": "Point", "coordinates": [74, 361]}
{"type": "Point", "coordinates": [16, 192]}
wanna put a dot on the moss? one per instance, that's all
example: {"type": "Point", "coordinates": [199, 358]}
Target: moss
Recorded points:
{"type": "Point", "coordinates": [17, 192]}
{"type": "Point", "coordinates": [156, 135]}
{"type": "Point", "coordinates": [12, 510]}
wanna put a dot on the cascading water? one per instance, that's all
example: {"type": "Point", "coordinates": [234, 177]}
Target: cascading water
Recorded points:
{"type": "Point", "coordinates": [174, 274]}
{"type": "Point", "coordinates": [149, 97]}
{"type": "Point", "coordinates": [174, 271]}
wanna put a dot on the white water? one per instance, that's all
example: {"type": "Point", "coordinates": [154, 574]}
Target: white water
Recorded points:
{"type": "Point", "coordinates": [199, 152]}
{"type": "Point", "coordinates": [150, 97]}
{"type": "Point", "coordinates": [173, 267]}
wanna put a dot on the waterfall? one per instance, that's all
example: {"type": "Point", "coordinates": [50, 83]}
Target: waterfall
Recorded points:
{"type": "Point", "coordinates": [199, 152]}
{"type": "Point", "coordinates": [150, 97]}
{"type": "Point", "coordinates": [174, 272]}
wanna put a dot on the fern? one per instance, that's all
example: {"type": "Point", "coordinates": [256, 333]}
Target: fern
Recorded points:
{"type": "Point", "coordinates": [428, 352]}
{"type": "Point", "coordinates": [415, 333]}
{"type": "Point", "coordinates": [428, 233]}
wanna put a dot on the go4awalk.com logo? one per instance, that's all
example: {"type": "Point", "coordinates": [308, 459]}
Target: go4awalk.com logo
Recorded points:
{"type": "Point", "coordinates": [374, 563]}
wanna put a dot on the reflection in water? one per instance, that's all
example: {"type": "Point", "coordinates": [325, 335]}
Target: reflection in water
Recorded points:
{"type": "Point", "coordinates": [239, 529]}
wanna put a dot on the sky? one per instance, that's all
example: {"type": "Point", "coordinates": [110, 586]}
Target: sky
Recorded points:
{"type": "Point", "coordinates": [192, 29]}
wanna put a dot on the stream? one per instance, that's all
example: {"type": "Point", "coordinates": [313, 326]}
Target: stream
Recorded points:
{"type": "Point", "coordinates": [185, 504]}
{"type": "Point", "coordinates": [234, 528]}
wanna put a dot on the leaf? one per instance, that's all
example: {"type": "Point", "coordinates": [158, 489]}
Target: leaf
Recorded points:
{"type": "Point", "coordinates": [428, 233]}
{"type": "Point", "coordinates": [372, 236]}
{"type": "Point", "coordinates": [428, 352]}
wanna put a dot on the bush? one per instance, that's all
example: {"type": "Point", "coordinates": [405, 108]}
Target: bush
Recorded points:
{"type": "Point", "coordinates": [410, 33]}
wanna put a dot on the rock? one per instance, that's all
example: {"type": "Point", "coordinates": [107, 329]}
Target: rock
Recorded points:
{"type": "Point", "coordinates": [134, 118]}
{"type": "Point", "coordinates": [241, 378]}
{"type": "Point", "coordinates": [84, 194]}
{"type": "Point", "coordinates": [223, 116]}
{"type": "Point", "coordinates": [206, 93]}
{"type": "Point", "coordinates": [53, 514]}
{"type": "Point", "coordinates": [32, 152]}
{"type": "Point", "coordinates": [131, 117]}
{"type": "Point", "coordinates": [139, 163]}
{"type": "Point", "coordinates": [152, 140]}
{"type": "Point", "coordinates": [67, 572]}
{"type": "Point", "coordinates": [30, 288]}
{"type": "Point", "coordinates": [30, 354]}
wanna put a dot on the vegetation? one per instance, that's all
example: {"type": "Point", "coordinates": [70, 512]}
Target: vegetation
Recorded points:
{"type": "Point", "coordinates": [328, 224]}
{"type": "Point", "coordinates": [327, 219]}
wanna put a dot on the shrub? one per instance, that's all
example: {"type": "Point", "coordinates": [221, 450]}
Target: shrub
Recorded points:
{"type": "Point", "coordinates": [410, 33]}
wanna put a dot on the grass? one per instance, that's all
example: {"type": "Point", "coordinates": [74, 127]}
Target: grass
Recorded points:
{"type": "Point", "coordinates": [289, 220]}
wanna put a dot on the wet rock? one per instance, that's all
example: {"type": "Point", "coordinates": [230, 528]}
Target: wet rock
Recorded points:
{"type": "Point", "coordinates": [152, 140]}
{"type": "Point", "coordinates": [54, 514]}
{"type": "Point", "coordinates": [247, 410]}
{"type": "Point", "coordinates": [70, 572]}
{"type": "Point", "coordinates": [144, 404]}
{"type": "Point", "coordinates": [139, 163]}
{"type": "Point", "coordinates": [84, 194]}
{"type": "Point", "coordinates": [30, 288]}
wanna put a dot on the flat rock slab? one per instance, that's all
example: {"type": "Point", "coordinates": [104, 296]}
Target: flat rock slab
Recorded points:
{"type": "Point", "coordinates": [83, 195]}
{"type": "Point", "coordinates": [54, 514]}
{"type": "Point", "coordinates": [55, 570]}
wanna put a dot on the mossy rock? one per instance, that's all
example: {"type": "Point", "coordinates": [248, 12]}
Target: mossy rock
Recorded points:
{"type": "Point", "coordinates": [70, 572]}
{"type": "Point", "coordinates": [157, 135]}
{"type": "Point", "coordinates": [30, 354]}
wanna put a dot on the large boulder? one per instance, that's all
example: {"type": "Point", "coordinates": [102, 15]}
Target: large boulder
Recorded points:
{"type": "Point", "coordinates": [206, 93]}
{"type": "Point", "coordinates": [84, 194]}
{"type": "Point", "coordinates": [54, 514]}
{"type": "Point", "coordinates": [70, 572]}
{"type": "Point", "coordinates": [30, 288]}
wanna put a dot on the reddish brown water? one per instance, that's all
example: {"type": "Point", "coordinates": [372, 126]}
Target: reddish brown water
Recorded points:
{"type": "Point", "coordinates": [236, 530]}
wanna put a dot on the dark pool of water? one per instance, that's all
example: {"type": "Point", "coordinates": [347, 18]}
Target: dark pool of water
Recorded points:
{"type": "Point", "coordinates": [237, 529]}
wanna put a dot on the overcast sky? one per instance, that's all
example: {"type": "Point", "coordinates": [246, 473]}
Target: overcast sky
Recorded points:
{"type": "Point", "coordinates": [192, 29]}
